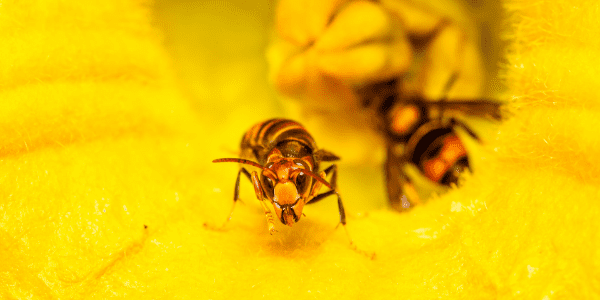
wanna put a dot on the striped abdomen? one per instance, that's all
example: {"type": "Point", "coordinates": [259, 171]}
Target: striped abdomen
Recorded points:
{"type": "Point", "coordinates": [290, 137]}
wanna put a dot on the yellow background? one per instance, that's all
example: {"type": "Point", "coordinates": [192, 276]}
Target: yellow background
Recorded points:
{"type": "Point", "coordinates": [104, 131]}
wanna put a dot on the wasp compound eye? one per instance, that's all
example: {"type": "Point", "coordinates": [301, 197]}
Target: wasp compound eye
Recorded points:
{"type": "Point", "coordinates": [302, 183]}
{"type": "Point", "coordinates": [268, 186]}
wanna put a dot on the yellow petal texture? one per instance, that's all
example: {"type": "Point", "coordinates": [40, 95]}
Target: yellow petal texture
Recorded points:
{"type": "Point", "coordinates": [358, 43]}
{"type": "Point", "coordinates": [106, 177]}
{"type": "Point", "coordinates": [366, 63]}
{"type": "Point", "coordinates": [301, 22]}
{"type": "Point", "coordinates": [452, 53]}
{"type": "Point", "coordinates": [357, 22]}
{"type": "Point", "coordinates": [417, 19]}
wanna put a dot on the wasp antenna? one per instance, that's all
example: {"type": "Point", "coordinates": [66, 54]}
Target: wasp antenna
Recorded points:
{"type": "Point", "coordinates": [318, 178]}
{"type": "Point", "coordinates": [241, 161]}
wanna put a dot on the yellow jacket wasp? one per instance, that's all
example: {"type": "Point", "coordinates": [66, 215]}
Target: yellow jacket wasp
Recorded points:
{"type": "Point", "coordinates": [422, 133]}
{"type": "Point", "coordinates": [289, 163]}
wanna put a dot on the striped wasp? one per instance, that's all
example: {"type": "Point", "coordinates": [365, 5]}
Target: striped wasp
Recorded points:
{"type": "Point", "coordinates": [290, 177]}
{"type": "Point", "coordinates": [423, 133]}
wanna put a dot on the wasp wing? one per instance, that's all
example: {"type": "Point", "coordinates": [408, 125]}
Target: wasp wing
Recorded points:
{"type": "Point", "coordinates": [324, 155]}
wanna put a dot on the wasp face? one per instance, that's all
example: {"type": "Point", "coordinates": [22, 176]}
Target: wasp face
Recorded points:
{"type": "Point", "coordinates": [287, 187]}
{"type": "Point", "coordinates": [288, 203]}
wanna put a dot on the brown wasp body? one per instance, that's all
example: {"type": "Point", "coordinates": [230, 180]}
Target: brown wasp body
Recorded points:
{"type": "Point", "coordinates": [288, 159]}
{"type": "Point", "coordinates": [423, 133]}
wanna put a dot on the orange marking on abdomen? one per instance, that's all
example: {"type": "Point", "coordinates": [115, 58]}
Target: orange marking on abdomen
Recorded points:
{"type": "Point", "coordinates": [451, 152]}
{"type": "Point", "coordinates": [404, 118]}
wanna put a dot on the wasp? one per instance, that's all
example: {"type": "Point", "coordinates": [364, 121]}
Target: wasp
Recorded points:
{"type": "Point", "coordinates": [288, 160]}
{"type": "Point", "coordinates": [423, 133]}
{"type": "Point", "coordinates": [418, 68]}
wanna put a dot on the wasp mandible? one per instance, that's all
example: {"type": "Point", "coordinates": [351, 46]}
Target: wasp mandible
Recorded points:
{"type": "Point", "coordinates": [290, 177]}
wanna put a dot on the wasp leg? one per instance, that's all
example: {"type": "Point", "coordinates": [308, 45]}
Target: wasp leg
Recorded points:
{"type": "Point", "coordinates": [322, 196]}
{"type": "Point", "coordinates": [455, 122]}
{"type": "Point", "coordinates": [317, 186]}
{"type": "Point", "coordinates": [236, 196]}
{"type": "Point", "coordinates": [333, 169]}
{"type": "Point", "coordinates": [314, 196]}
{"type": "Point", "coordinates": [236, 191]}
{"type": "Point", "coordinates": [261, 197]}
{"type": "Point", "coordinates": [401, 192]}
{"type": "Point", "coordinates": [333, 182]}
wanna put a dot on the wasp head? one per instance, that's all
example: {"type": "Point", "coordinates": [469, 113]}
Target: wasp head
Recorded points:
{"type": "Point", "coordinates": [287, 182]}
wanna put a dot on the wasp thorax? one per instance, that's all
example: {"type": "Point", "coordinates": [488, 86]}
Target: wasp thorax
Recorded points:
{"type": "Point", "coordinates": [287, 202]}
